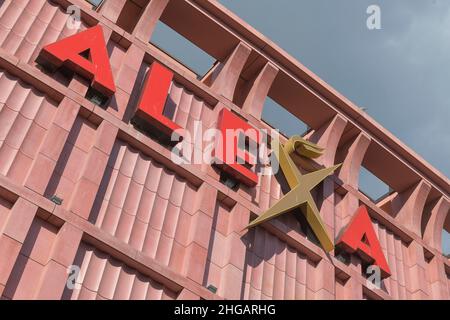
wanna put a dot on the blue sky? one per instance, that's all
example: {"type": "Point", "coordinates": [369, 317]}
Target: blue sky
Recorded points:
{"type": "Point", "coordinates": [399, 74]}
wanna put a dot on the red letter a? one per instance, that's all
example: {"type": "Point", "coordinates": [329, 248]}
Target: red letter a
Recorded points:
{"type": "Point", "coordinates": [360, 236]}
{"type": "Point", "coordinates": [68, 52]}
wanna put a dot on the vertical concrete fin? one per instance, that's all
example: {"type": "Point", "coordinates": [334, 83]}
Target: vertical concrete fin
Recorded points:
{"type": "Point", "coordinates": [328, 137]}
{"type": "Point", "coordinates": [146, 25]}
{"type": "Point", "coordinates": [410, 205]}
{"type": "Point", "coordinates": [433, 230]}
{"type": "Point", "coordinates": [349, 172]}
{"type": "Point", "coordinates": [254, 102]}
{"type": "Point", "coordinates": [224, 77]}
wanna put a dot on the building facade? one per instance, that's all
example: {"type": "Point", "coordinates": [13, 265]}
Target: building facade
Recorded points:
{"type": "Point", "coordinates": [92, 205]}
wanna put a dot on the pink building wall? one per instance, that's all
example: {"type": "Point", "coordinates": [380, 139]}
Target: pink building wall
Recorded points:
{"type": "Point", "coordinates": [140, 226]}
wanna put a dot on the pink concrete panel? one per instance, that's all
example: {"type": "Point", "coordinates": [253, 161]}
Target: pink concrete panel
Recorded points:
{"type": "Point", "coordinates": [117, 55]}
{"type": "Point", "coordinates": [126, 65]}
{"type": "Point", "coordinates": [8, 248]}
{"type": "Point", "coordinates": [417, 284]}
{"type": "Point", "coordinates": [71, 161]}
{"type": "Point", "coordinates": [23, 283]}
{"type": "Point", "coordinates": [349, 290]}
{"type": "Point", "coordinates": [279, 284]}
{"type": "Point", "coordinates": [52, 146]}
{"type": "Point", "coordinates": [24, 280]}
{"type": "Point", "coordinates": [53, 281]}
{"type": "Point", "coordinates": [254, 277]}
{"type": "Point", "coordinates": [39, 242]}
{"type": "Point", "coordinates": [196, 259]}
{"type": "Point", "coordinates": [437, 278]}
{"type": "Point", "coordinates": [93, 170]}
{"type": "Point", "coordinates": [320, 278]}
{"type": "Point", "coordinates": [79, 84]}
{"type": "Point", "coordinates": [228, 255]}
{"type": "Point", "coordinates": [17, 223]}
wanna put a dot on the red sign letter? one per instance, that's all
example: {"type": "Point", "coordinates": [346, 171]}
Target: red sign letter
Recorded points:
{"type": "Point", "coordinates": [97, 68]}
{"type": "Point", "coordinates": [153, 99]}
{"type": "Point", "coordinates": [227, 149]}
{"type": "Point", "coordinates": [360, 236]}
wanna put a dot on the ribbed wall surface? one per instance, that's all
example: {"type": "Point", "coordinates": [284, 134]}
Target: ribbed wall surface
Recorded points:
{"type": "Point", "coordinates": [270, 268]}
{"type": "Point", "coordinates": [187, 107]}
{"type": "Point", "coordinates": [145, 205]}
{"type": "Point", "coordinates": [274, 270]}
{"type": "Point", "coordinates": [25, 117]}
{"type": "Point", "coordinates": [104, 278]}
{"type": "Point", "coordinates": [26, 26]}
{"type": "Point", "coordinates": [268, 191]}
{"type": "Point", "coordinates": [394, 250]}
{"type": "Point", "coordinates": [192, 114]}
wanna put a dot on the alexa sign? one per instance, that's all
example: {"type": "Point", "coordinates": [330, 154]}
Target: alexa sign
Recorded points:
{"type": "Point", "coordinates": [86, 54]}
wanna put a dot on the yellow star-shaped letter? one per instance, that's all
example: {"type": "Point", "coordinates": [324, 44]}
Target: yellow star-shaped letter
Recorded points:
{"type": "Point", "coordinates": [300, 194]}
